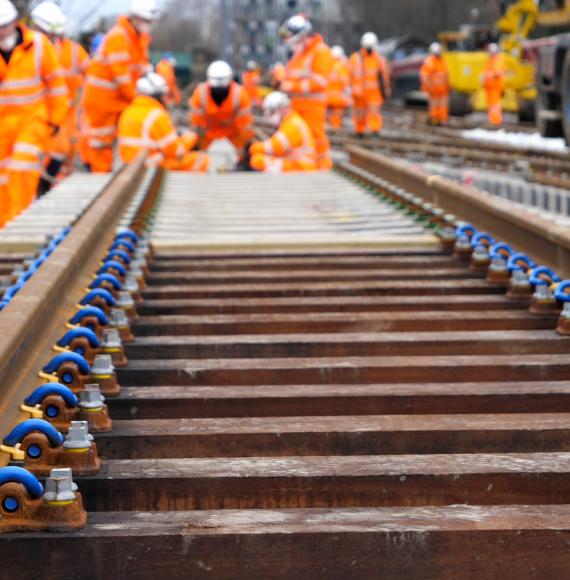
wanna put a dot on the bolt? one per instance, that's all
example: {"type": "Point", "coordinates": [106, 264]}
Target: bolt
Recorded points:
{"type": "Point", "coordinates": [119, 318]}
{"type": "Point", "coordinates": [59, 486]}
{"type": "Point", "coordinates": [566, 311]}
{"type": "Point", "coordinates": [126, 300]}
{"type": "Point", "coordinates": [102, 365]}
{"type": "Point", "coordinates": [91, 397]}
{"type": "Point", "coordinates": [111, 338]}
{"type": "Point", "coordinates": [78, 436]}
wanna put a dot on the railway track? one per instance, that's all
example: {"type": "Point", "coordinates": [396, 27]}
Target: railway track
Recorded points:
{"type": "Point", "coordinates": [316, 386]}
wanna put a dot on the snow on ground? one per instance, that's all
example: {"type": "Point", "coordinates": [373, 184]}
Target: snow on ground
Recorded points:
{"type": "Point", "coordinates": [522, 140]}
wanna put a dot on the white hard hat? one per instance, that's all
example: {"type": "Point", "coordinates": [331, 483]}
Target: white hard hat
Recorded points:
{"type": "Point", "coordinates": [152, 84]}
{"type": "Point", "coordinates": [219, 74]}
{"type": "Point", "coordinates": [296, 29]}
{"type": "Point", "coordinates": [145, 9]}
{"type": "Point", "coordinates": [435, 48]}
{"type": "Point", "coordinates": [275, 101]}
{"type": "Point", "coordinates": [49, 18]}
{"type": "Point", "coordinates": [338, 51]}
{"type": "Point", "coordinates": [369, 40]}
{"type": "Point", "coordinates": [251, 65]}
{"type": "Point", "coordinates": [8, 12]}
{"type": "Point", "coordinates": [493, 48]}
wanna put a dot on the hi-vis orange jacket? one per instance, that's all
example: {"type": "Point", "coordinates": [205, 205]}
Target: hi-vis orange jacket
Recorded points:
{"type": "Point", "coordinates": [494, 74]}
{"type": "Point", "coordinates": [339, 81]}
{"type": "Point", "coordinates": [434, 76]}
{"type": "Point", "coordinates": [165, 69]}
{"type": "Point", "coordinates": [307, 75]}
{"type": "Point", "coordinates": [293, 143]}
{"type": "Point", "coordinates": [145, 125]}
{"type": "Point", "coordinates": [366, 70]}
{"type": "Point", "coordinates": [233, 117]}
{"type": "Point", "coordinates": [32, 83]}
{"type": "Point", "coordinates": [251, 83]}
{"type": "Point", "coordinates": [122, 57]}
{"type": "Point", "coordinates": [74, 61]}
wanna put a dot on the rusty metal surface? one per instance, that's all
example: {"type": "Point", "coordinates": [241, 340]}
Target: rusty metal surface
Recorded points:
{"type": "Point", "coordinates": [548, 243]}
{"type": "Point", "coordinates": [34, 320]}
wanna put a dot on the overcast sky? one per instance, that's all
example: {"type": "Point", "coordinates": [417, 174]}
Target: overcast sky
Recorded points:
{"type": "Point", "coordinates": [82, 13]}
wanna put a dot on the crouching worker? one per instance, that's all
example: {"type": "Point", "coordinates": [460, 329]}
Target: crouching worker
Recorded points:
{"type": "Point", "coordinates": [292, 148]}
{"type": "Point", "coordinates": [145, 125]}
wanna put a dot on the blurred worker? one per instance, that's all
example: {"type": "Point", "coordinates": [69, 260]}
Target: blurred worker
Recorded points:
{"type": "Point", "coordinates": [434, 76]}
{"type": "Point", "coordinates": [251, 80]}
{"type": "Point", "coordinates": [166, 68]}
{"type": "Point", "coordinates": [33, 105]}
{"type": "Point", "coordinates": [277, 75]}
{"type": "Point", "coordinates": [47, 17]}
{"type": "Point", "coordinates": [220, 108]}
{"type": "Point", "coordinates": [339, 88]}
{"type": "Point", "coordinates": [307, 78]}
{"type": "Point", "coordinates": [370, 82]}
{"type": "Point", "coordinates": [145, 125]}
{"type": "Point", "coordinates": [494, 84]}
{"type": "Point", "coordinates": [292, 148]}
{"type": "Point", "coordinates": [122, 57]}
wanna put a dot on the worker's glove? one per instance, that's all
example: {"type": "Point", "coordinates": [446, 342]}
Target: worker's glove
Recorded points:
{"type": "Point", "coordinates": [257, 147]}
{"type": "Point", "coordinates": [53, 130]}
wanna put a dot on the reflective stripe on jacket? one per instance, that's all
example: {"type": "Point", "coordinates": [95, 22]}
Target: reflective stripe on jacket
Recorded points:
{"type": "Point", "coordinates": [365, 73]}
{"type": "Point", "coordinates": [32, 83]}
{"type": "Point", "coordinates": [434, 76]}
{"type": "Point", "coordinates": [292, 141]}
{"type": "Point", "coordinates": [74, 61]}
{"type": "Point", "coordinates": [145, 125]}
{"type": "Point", "coordinates": [339, 84]}
{"type": "Point", "coordinates": [122, 57]}
{"type": "Point", "coordinates": [233, 115]}
{"type": "Point", "coordinates": [307, 74]}
{"type": "Point", "coordinates": [494, 73]}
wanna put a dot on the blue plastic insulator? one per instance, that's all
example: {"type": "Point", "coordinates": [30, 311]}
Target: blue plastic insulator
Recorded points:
{"type": "Point", "coordinates": [19, 432]}
{"type": "Point", "coordinates": [536, 280]}
{"type": "Point", "coordinates": [520, 262]}
{"type": "Point", "coordinates": [27, 275]}
{"type": "Point", "coordinates": [67, 357]}
{"type": "Point", "coordinates": [500, 250]}
{"type": "Point", "coordinates": [109, 278]}
{"type": "Point", "coordinates": [90, 312]}
{"type": "Point", "coordinates": [76, 333]}
{"type": "Point", "coordinates": [123, 243]}
{"type": "Point", "coordinates": [34, 451]}
{"type": "Point", "coordinates": [100, 293]}
{"type": "Point", "coordinates": [482, 239]}
{"type": "Point", "coordinates": [3, 304]}
{"type": "Point", "coordinates": [10, 504]}
{"type": "Point", "coordinates": [128, 234]}
{"type": "Point", "coordinates": [117, 254]}
{"type": "Point", "coordinates": [112, 265]}
{"type": "Point", "coordinates": [19, 475]}
{"type": "Point", "coordinates": [12, 291]}
{"type": "Point", "coordinates": [52, 389]}
{"type": "Point", "coordinates": [466, 230]}
{"type": "Point", "coordinates": [561, 293]}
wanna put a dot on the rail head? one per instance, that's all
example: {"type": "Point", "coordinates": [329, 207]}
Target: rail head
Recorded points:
{"type": "Point", "coordinates": [547, 242]}
{"type": "Point", "coordinates": [31, 323]}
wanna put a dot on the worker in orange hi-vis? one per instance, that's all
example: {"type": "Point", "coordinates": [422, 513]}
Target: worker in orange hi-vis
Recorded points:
{"type": "Point", "coordinates": [251, 80]}
{"type": "Point", "coordinates": [120, 59]}
{"type": "Point", "coordinates": [277, 75]}
{"type": "Point", "coordinates": [33, 106]}
{"type": "Point", "coordinates": [292, 147]}
{"type": "Point", "coordinates": [339, 98]}
{"type": "Point", "coordinates": [145, 125]}
{"type": "Point", "coordinates": [434, 77]}
{"type": "Point", "coordinates": [166, 68]}
{"type": "Point", "coordinates": [47, 17]}
{"type": "Point", "coordinates": [370, 83]}
{"type": "Point", "coordinates": [220, 108]}
{"type": "Point", "coordinates": [307, 79]}
{"type": "Point", "coordinates": [494, 84]}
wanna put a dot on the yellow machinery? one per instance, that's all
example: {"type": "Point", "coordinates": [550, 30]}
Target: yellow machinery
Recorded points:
{"type": "Point", "coordinates": [465, 54]}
